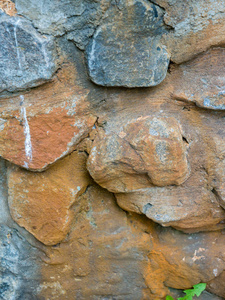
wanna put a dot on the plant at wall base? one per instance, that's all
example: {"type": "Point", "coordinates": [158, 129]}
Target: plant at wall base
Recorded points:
{"type": "Point", "coordinates": [196, 291]}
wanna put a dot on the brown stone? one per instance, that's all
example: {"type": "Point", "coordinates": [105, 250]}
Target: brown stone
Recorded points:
{"type": "Point", "coordinates": [176, 207]}
{"type": "Point", "coordinates": [196, 27]}
{"type": "Point", "coordinates": [42, 202]}
{"type": "Point", "coordinates": [149, 149]}
{"type": "Point", "coordinates": [200, 80]}
{"type": "Point", "coordinates": [49, 123]}
{"type": "Point", "coordinates": [8, 7]}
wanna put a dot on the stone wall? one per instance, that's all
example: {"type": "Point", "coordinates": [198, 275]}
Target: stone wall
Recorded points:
{"type": "Point", "coordinates": [112, 145]}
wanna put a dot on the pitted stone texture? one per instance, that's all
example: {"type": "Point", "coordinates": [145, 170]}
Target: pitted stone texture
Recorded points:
{"type": "Point", "coordinates": [190, 209]}
{"type": "Point", "coordinates": [181, 260]}
{"type": "Point", "coordinates": [201, 80]}
{"type": "Point", "coordinates": [77, 18]}
{"type": "Point", "coordinates": [103, 257]}
{"type": "Point", "coordinates": [26, 57]}
{"type": "Point", "coordinates": [43, 125]}
{"type": "Point", "coordinates": [128, 49]}
{"type": "Point", "coordinates": [146, 151]}
{"type": "Point", "coordinates": [197, 26]}
{"type": "Point", "coordinates": [18, 267]}
{"type": "Point", "coordinates": [41, 202]}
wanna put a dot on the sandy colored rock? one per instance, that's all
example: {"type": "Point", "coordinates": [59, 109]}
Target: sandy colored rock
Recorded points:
{"type": "Point", "coordinates": [196, 26]}
{"type": "Point", "coordinates": [101, 256]}
{"type": "Point", "coordinates": [41, 202]}
{"type": "Point", "coordinates": [149, 147]}
{"type": "Point", "coordinates": [176, 207]}
{"type": "Point", "coordinates": [200, 80]}
{"type": "Point", "coordinates": [8, 7]}
{"type": "Point", "coordinates": [179, 260]}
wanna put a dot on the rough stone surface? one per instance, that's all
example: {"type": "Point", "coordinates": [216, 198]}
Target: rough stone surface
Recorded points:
{"type": "Point", "coordinates": [18, 270]}
{"type": "Point", "coordinates": [156, 155]}
{"type": "Point", "coordinates": [78, 19]}
{"type": "Point", "coordinates": [8, 7]}
{"type": "Point", "coordinates": [150, 148]}
{"type": "Point", "coordinates": [201, 80]}
{"type": "Point", "coordinates": [175, 206]}
{"type": "Point", "coordinates": [127, 49]}
{"type": "Point", "coordinates": [41, 202]}
{"type": "Point", "coordinates": [197, 26]}
{"type": "Point", "coordinates": [26, 57]}
{"type": "Point", "coordinates": [42, 126]}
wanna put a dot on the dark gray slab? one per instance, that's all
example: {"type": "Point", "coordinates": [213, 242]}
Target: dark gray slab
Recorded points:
{"type": "Point", "coordinates": [128, 48]}
{"type": "Point", "coordinates": [26, 57]}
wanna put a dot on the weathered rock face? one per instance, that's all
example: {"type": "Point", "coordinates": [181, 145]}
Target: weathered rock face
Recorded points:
{"type": "Point", "coordinates": [200, 80]}
{"type": "Point", "coordinates": [109, 192]}
{"type": "Point", "coordinates": [150, 148]}
{"type": "Point", "coordinates": [78, 19]}
{"type": "Point", "coordinates": [26, 57]}
{"type": "Point", "coordinates": [135, 25]}
{"type": "Point", "coordinates": [41, 202]}
{"type": "Point", "coordinates": [42, 126]}
{"type": "Point", "coordinates": [197, 25]}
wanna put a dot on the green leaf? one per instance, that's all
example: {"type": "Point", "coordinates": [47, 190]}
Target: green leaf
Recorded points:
{"type": "Point", "coordinates": [196, 291]}
{"type": "Point", "coordinates": [169, 298]}
{"type": "Point", "coordinates": [199, 288]}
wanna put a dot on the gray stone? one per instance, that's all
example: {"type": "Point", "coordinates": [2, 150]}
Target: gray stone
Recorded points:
{"type": "Point", "coordinates": [77, 18]}
{"type": "Point", "coordinates": [4, 211]}
{"type": "Point", "coordinates": [18, 268]}
{"type": "Point", "coordinates": [128, 48]}
{"type": "Point", "coordinates": [26, 57]}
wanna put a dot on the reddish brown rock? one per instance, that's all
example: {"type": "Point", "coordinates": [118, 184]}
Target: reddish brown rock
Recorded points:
{"type": "Point", "coordinates": [103, 256]}
{"type": "Point", "coordinates": [126, 256]}
{"type": "Point", "coordinates": [150, 149]}
{"type": "Point", "coordinates": [42, 126]}
{"type": "Point", "coordinates": [42, 202]}
{"type": "Point", "coordinates": [179, 260]}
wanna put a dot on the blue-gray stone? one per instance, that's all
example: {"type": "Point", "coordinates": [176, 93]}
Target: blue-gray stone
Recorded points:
{"type": "Point", "coordinates": [77, 18]}
{"type": "Point", "coordinates": [18, 266]}
{"type": "Point", "coordinates": [26, 57]}
{"type": "Point", "coordinates": [128, 48]}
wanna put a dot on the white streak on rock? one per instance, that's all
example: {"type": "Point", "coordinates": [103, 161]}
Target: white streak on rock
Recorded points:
{"type": "Point", "coordinates": [17, 47]}
{"type": "Point", "coordinates": [28, 145]}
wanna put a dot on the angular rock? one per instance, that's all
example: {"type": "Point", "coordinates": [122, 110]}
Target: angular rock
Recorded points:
{"type": "Point", "coordinates": [190, 209]}
{"type": "Point", "coordinates": [19, 266]}
{"type": "Point", "coordinates": [4, 212]}
{"type": "Point", "coordinates": [127, 49]}
{"type": "Point", "coordinates": [77, 18]}
{"type": "Point", "coordinates": [109, 249]}
{"type": "Point", "coordinates": [27, 59]}
{"type": "Point", "coordinates": [148, 149]}
{"type": "Point", "coordinates": [43, 125]}
{"type": "Point", "coordinates": [99, 253]}
{"type": "Point", "coordinates": [197, 26]}
{"type": "Point", "coordinates": [42, 202]}
{"type": "Point", "coordinates": [179, 260]}
{"type": "Point", "coordinates": [201, 80]}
